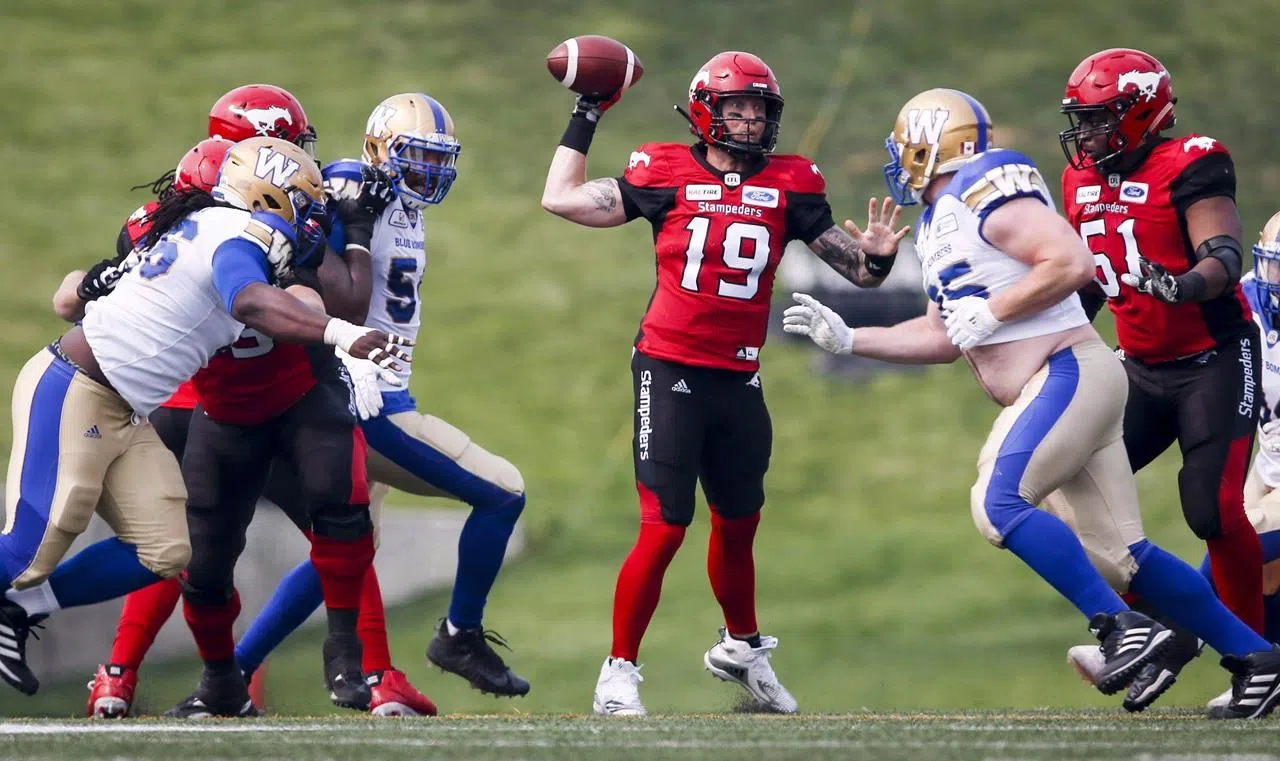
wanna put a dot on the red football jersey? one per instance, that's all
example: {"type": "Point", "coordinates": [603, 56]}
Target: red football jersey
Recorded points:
{"type": "Point", "coordinates": [247, 383]}
{"type": "Point", "coordinates": [1122, 218]}
{"type": "Point", "coordinates": [254, 379]}
{"type": "Point", "coordinates": [718, 238]}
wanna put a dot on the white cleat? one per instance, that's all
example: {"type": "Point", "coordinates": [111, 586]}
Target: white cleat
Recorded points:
{"type": "Point", "coordinates": [1088, 660]}
{"type": "Point", "coordinates": [734, 660]}
{"type": "Point", "coordinates": [1222, 700]}
{"type": "Point", "coordinates": [618, 689]}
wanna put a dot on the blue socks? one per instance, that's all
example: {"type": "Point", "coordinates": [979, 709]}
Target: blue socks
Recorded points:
{"type": "Point", "coordinates": [102, 571]}
{"type": "Point", "coordinates": [298, 596]}
{"type": "Point", "coordinates": [1052, 550]}
{"type": "Point", "coordinates": [1182, 594]}
{"type": "Point", "coordinates": [481, 547]}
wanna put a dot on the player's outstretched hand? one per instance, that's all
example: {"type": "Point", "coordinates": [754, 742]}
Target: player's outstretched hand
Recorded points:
{"type": "Point", "coordinates": [386, 350]}
{"type": "Point", "coordinates": [879, 239]}
{"type": "Point", "coordinates": [823, 326]}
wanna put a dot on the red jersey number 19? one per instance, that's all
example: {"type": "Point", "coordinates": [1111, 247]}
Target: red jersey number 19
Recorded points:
{"type": "Point", "coordinates": [734, 235]}
{"type": "Point", "coordinates": [1107, 275]}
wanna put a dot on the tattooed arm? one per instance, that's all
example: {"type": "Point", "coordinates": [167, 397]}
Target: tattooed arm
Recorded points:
{"type": "Point", "coordinates": [567, 194]}
{"type": "Point", "coordinates": [841, 253]}
{"type": "Point", "coordinates": [863, 257]}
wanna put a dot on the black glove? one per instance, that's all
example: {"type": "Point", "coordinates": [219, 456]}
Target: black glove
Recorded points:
{"type": "Point", "coordinates": [594, 106]}
{"type": "Point", "coordinates": [1156, 280]}
{"type": "Point", "coordinates": [100, 280]}
{"type": "Point", "coordinates": [360, 210]}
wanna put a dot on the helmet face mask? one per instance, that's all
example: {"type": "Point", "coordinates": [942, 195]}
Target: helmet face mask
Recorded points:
{"type": "Point", "coordinates": [936, 133]}
{"type": "Point", "coordinates": [1266, 267]}
{"type": "Point", "coordinates": [410, 136]}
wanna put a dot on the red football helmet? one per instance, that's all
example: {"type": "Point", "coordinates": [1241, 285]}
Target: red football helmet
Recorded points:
{"type": "Point", "coordinates": [200, 166]}
{"type": "Point", "coordinates": [266, 110]}
{"type": "Point", "coordinates": [1121, 95]}
{"type": "Point", "coordinates": [726, 75]}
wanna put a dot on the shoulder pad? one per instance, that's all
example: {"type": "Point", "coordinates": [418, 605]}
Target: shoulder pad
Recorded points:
{"type": "Point", "coordinates": [346, 168]}
{"type": "Point", "coordinates": [997, 176]}
{"type": "Point", "coordinates": [650, 165]}
{"type": "Point", "coordinates": [261, 229]}
{"type": "Point", "coordinates": [803, 174]}
{"type": "Point", "coordinates": [137, 224]}
{"type": "Point", "coordinates": [1194, 146]}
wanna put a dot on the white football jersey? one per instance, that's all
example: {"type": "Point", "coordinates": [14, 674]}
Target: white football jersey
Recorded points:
{"type": "Point", "coordinates": [956, 261]}
{"type": "Point", "coordinates": [1266, 464]}
{"type": "Point", "coordinates": [399, 258]}
{"type": "Point", "coordinates": [165, 318]}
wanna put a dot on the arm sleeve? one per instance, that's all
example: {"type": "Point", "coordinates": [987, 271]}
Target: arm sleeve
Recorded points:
{"type": "Point", "coordinates": [1206, 177]}
{"type": "Point", "coordinates": [808, 216]}
{"type": "Point", "coordinates": [650, 203]}
{"type": "Point", "coordinates": [236, 264]}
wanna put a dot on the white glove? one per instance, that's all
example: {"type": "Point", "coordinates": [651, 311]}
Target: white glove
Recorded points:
{"type": "Point", "coordinates": [815, 320]}
{"type": "Point", "coordinates": [385, 350]}
{"type": "Point", "coordinates": [970, 322]}
{"type": "Point", "coordinates": [364, 384]}
{"type": "Point", "coordinates": [1270, 438]}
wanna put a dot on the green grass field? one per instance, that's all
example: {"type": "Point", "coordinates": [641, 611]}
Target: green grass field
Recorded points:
{"type": "Point", "coordinates": [871, 574]}
{"type": "Point", "coordinates": [957, 736]}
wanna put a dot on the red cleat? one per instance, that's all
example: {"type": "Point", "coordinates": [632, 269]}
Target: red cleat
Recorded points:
{"type": "Point", "coordinates": [393, 695]}
{"type": "Point", "coordinates": [111, 692]}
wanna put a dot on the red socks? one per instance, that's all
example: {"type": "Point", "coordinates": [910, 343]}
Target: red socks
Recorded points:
{"type": "Point", "coordinates": [732, 570]}
{"type": "Point", "coordinates": [144, 614]}
{"type": "Point", "coordinates": [640, 584]}
{"type": "Point", "coordinates": [372, 627]}
{"type": "Point", "coordinates": [211, 627]}
{"type": "Point", "coordinates": [342, 567]}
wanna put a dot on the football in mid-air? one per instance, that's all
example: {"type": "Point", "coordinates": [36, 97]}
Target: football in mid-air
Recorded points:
{"type": "Point", "coordinates": [594, 65]}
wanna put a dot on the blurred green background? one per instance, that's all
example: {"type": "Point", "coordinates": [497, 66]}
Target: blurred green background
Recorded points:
{"type": "Point", "coordinates": [870, 572]}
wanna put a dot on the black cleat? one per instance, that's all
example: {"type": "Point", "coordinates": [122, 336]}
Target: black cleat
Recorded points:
{"type": "Point", "coordinates": [347, 688]}
{"type": "Point", "coordinates": [469, 655]}
{"type": "Point", "coordinates": [1129, 641]}
{"type": "Point", "coordinates": [15, 627]}
{"type": "Point", "coordinates": [1255, 685]}
{"type": "Point", "coordinates": [217, 695]}
{"type": "Point", "coordinates": [1157, 677]}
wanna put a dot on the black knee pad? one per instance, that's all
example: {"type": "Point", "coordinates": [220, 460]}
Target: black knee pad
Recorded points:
{"type": "Point", "coordinates": [207, 596]}
{"type": "Point", "coordinates": [344, 523]}
{"type": "Point", "coordinates": [1199, 493]}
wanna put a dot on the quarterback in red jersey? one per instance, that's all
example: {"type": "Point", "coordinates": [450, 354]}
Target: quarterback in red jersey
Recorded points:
{"type": "Point", "coordinates": [722, 212]}
{"type": "Point", "coordinates": [1159, 214]}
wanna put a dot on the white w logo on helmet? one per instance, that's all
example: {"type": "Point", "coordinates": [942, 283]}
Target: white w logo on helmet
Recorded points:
{"type": "Point", "coordinates": [925, 125]}
{"type": "Point", "coordinates": [274, 167]}
{"type": "Point", "coordinates": [380, 121]}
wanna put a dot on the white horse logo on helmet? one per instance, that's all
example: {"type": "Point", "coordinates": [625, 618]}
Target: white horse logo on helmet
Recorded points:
{"type": "Point", "coordinates": [1145, 81]}
{"type": "Point", "coordinates": [265, 121]}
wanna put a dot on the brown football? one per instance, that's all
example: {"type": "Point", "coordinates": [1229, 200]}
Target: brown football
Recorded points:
{"type": "Point", "coordinates": [594, 65]}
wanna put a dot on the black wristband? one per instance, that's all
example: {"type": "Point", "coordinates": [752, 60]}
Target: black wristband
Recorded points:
{"type": "Point", "coordinates": [1191, 287]}
{"type": "Point", "coordinates": [578, 134]}
{"type": "Point", "coordinates": [878, 266]}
